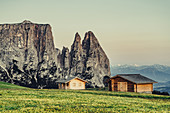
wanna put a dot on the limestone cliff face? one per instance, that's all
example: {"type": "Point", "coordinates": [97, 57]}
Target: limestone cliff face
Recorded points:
{"type": "Point", "coordinates": [28, 57]}
{"type": "Point", "coordinates": [27, 53]}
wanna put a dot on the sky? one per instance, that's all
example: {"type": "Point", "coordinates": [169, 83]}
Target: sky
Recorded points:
{"type": "Point", "coordinates": [129, 31]}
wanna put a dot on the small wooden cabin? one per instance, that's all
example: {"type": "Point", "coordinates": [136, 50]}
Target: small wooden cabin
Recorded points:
{"type": "Point", "coordinates": [71, 83]}
{"type": "Point", "coordinates": [131, 83]}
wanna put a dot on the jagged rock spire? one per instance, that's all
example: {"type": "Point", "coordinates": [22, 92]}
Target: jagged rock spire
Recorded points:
{"type": "Point", "coordinates": [95, 61]}
{"type": "Point", "coordinates": [33, 61]}
{"type": "Point", "coordinates": [76, 56]}
{"type": "Point", "coordinates": [88, 35]}
{"type": "Point", "coordinates": [77, 42]}
{"type": "Point", "coordinates": [77, 37]}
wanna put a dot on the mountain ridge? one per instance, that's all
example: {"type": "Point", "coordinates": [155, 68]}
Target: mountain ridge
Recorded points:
{"type": "Point", "coordinates": [29, 57]}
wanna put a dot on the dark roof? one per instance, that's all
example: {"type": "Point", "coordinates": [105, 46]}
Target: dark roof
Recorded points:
{"type": "Point", "coordinates": [136, 78]}
{"type": "Point", "coordinates": [68, 79]}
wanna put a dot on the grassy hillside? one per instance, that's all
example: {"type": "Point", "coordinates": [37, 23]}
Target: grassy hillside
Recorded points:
{"type": "Point", "coordinates": [4, 85]}
{"type": "Point", "coordinates": [18, 99]}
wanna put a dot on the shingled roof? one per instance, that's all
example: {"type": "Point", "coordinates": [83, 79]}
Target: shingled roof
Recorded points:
{"type": "Point", "coordinates": [135, 78]}
{"type": "Point", "coordinates": [69, 79]}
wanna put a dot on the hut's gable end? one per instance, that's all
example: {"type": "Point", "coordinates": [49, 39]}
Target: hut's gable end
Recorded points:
{"type": "Point", "coordinates": [77, 84]}
{"type": "Point", "coordinates": [119, 82]}
{"type": "Point", "coordinates": [71, 83]}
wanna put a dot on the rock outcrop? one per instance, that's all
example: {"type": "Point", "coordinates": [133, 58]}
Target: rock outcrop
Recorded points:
{"type": "Point", "coordinates": [28, 57]}
{"type": "Point", "coordinates": [27, 53]}
{"type": "Point", "coordinates": [89, 61]}
{"type": "Point", "coordinates": [76, 54]}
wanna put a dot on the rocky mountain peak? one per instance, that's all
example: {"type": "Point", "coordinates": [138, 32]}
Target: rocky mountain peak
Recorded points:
{"type": "Point", "coordinates": [88, 35]}
{"type": "Point", "coordinates": [77, 42]}
{"type": "Point", "coordinates": [90, 41]}
{"type": "Point", "coordinates": [91, 33]}
{"type": "Point", "coordinates": [28, 57]}
{"type": "Point", "coordinates": [65, 49]}
{"type": "Point", "coordinates": [27, 52]}
{"type": "Point", "coordinates": [77, 37]}
{"type": "Point", "coordinates": [26, 22]}
{"type": "Point", "coordinates": [89, 61]}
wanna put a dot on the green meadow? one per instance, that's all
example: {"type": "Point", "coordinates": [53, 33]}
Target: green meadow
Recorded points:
{"type": "Point", "coordinates": [17, 99]}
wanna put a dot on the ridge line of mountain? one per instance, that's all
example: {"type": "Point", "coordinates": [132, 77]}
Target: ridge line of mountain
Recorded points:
{"type": "Point", "coordinates": [28, 53]}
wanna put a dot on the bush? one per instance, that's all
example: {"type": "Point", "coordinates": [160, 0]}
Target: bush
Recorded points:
{"type": "Point", "coordinates": [160, 93]}
{"type": "Point", "coordinates": [165, 93]}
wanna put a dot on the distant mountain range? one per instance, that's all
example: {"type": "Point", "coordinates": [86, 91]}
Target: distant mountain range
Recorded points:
{"type": "Point", "coordinates": [162, 86]}
{"type": "Point", "coordinates": [160, 73]}
{"type": "Point", "coordinates": [157, 72]}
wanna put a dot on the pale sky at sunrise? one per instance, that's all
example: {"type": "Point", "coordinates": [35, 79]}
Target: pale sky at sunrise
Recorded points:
{"type": "Point", "coordinates": [129, 31]}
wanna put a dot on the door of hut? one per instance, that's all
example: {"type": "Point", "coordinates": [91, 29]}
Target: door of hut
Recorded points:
{"type": "Point", "coordinates": [122, 86]}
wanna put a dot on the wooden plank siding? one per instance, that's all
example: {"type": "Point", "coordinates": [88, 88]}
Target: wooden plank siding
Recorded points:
{"type": "Point", "coordinates": [131, 83]}
{"type": "Point", "coordinates": [131, 87]}
{"type": "Point", "coordinates": [114, 83]}
{"type": "Point", "coordinates": [122, 86]}
{"type": "Point", "coordinates": [72, 84]}
{"type": "Point", "coordinates": [77, 84]}
{"type": "Point", "coordinates": [135, 87]}
{"type": "Point", "coordinates": [112, 86]}
{"type": "Point", "coordinates": [145, 87]}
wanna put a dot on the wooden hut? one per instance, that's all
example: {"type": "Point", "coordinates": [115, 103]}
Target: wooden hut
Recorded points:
{"type": "Point", "coordinates": [131, 83]}
{"type": "Point", "coordinates": [71, 83]}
